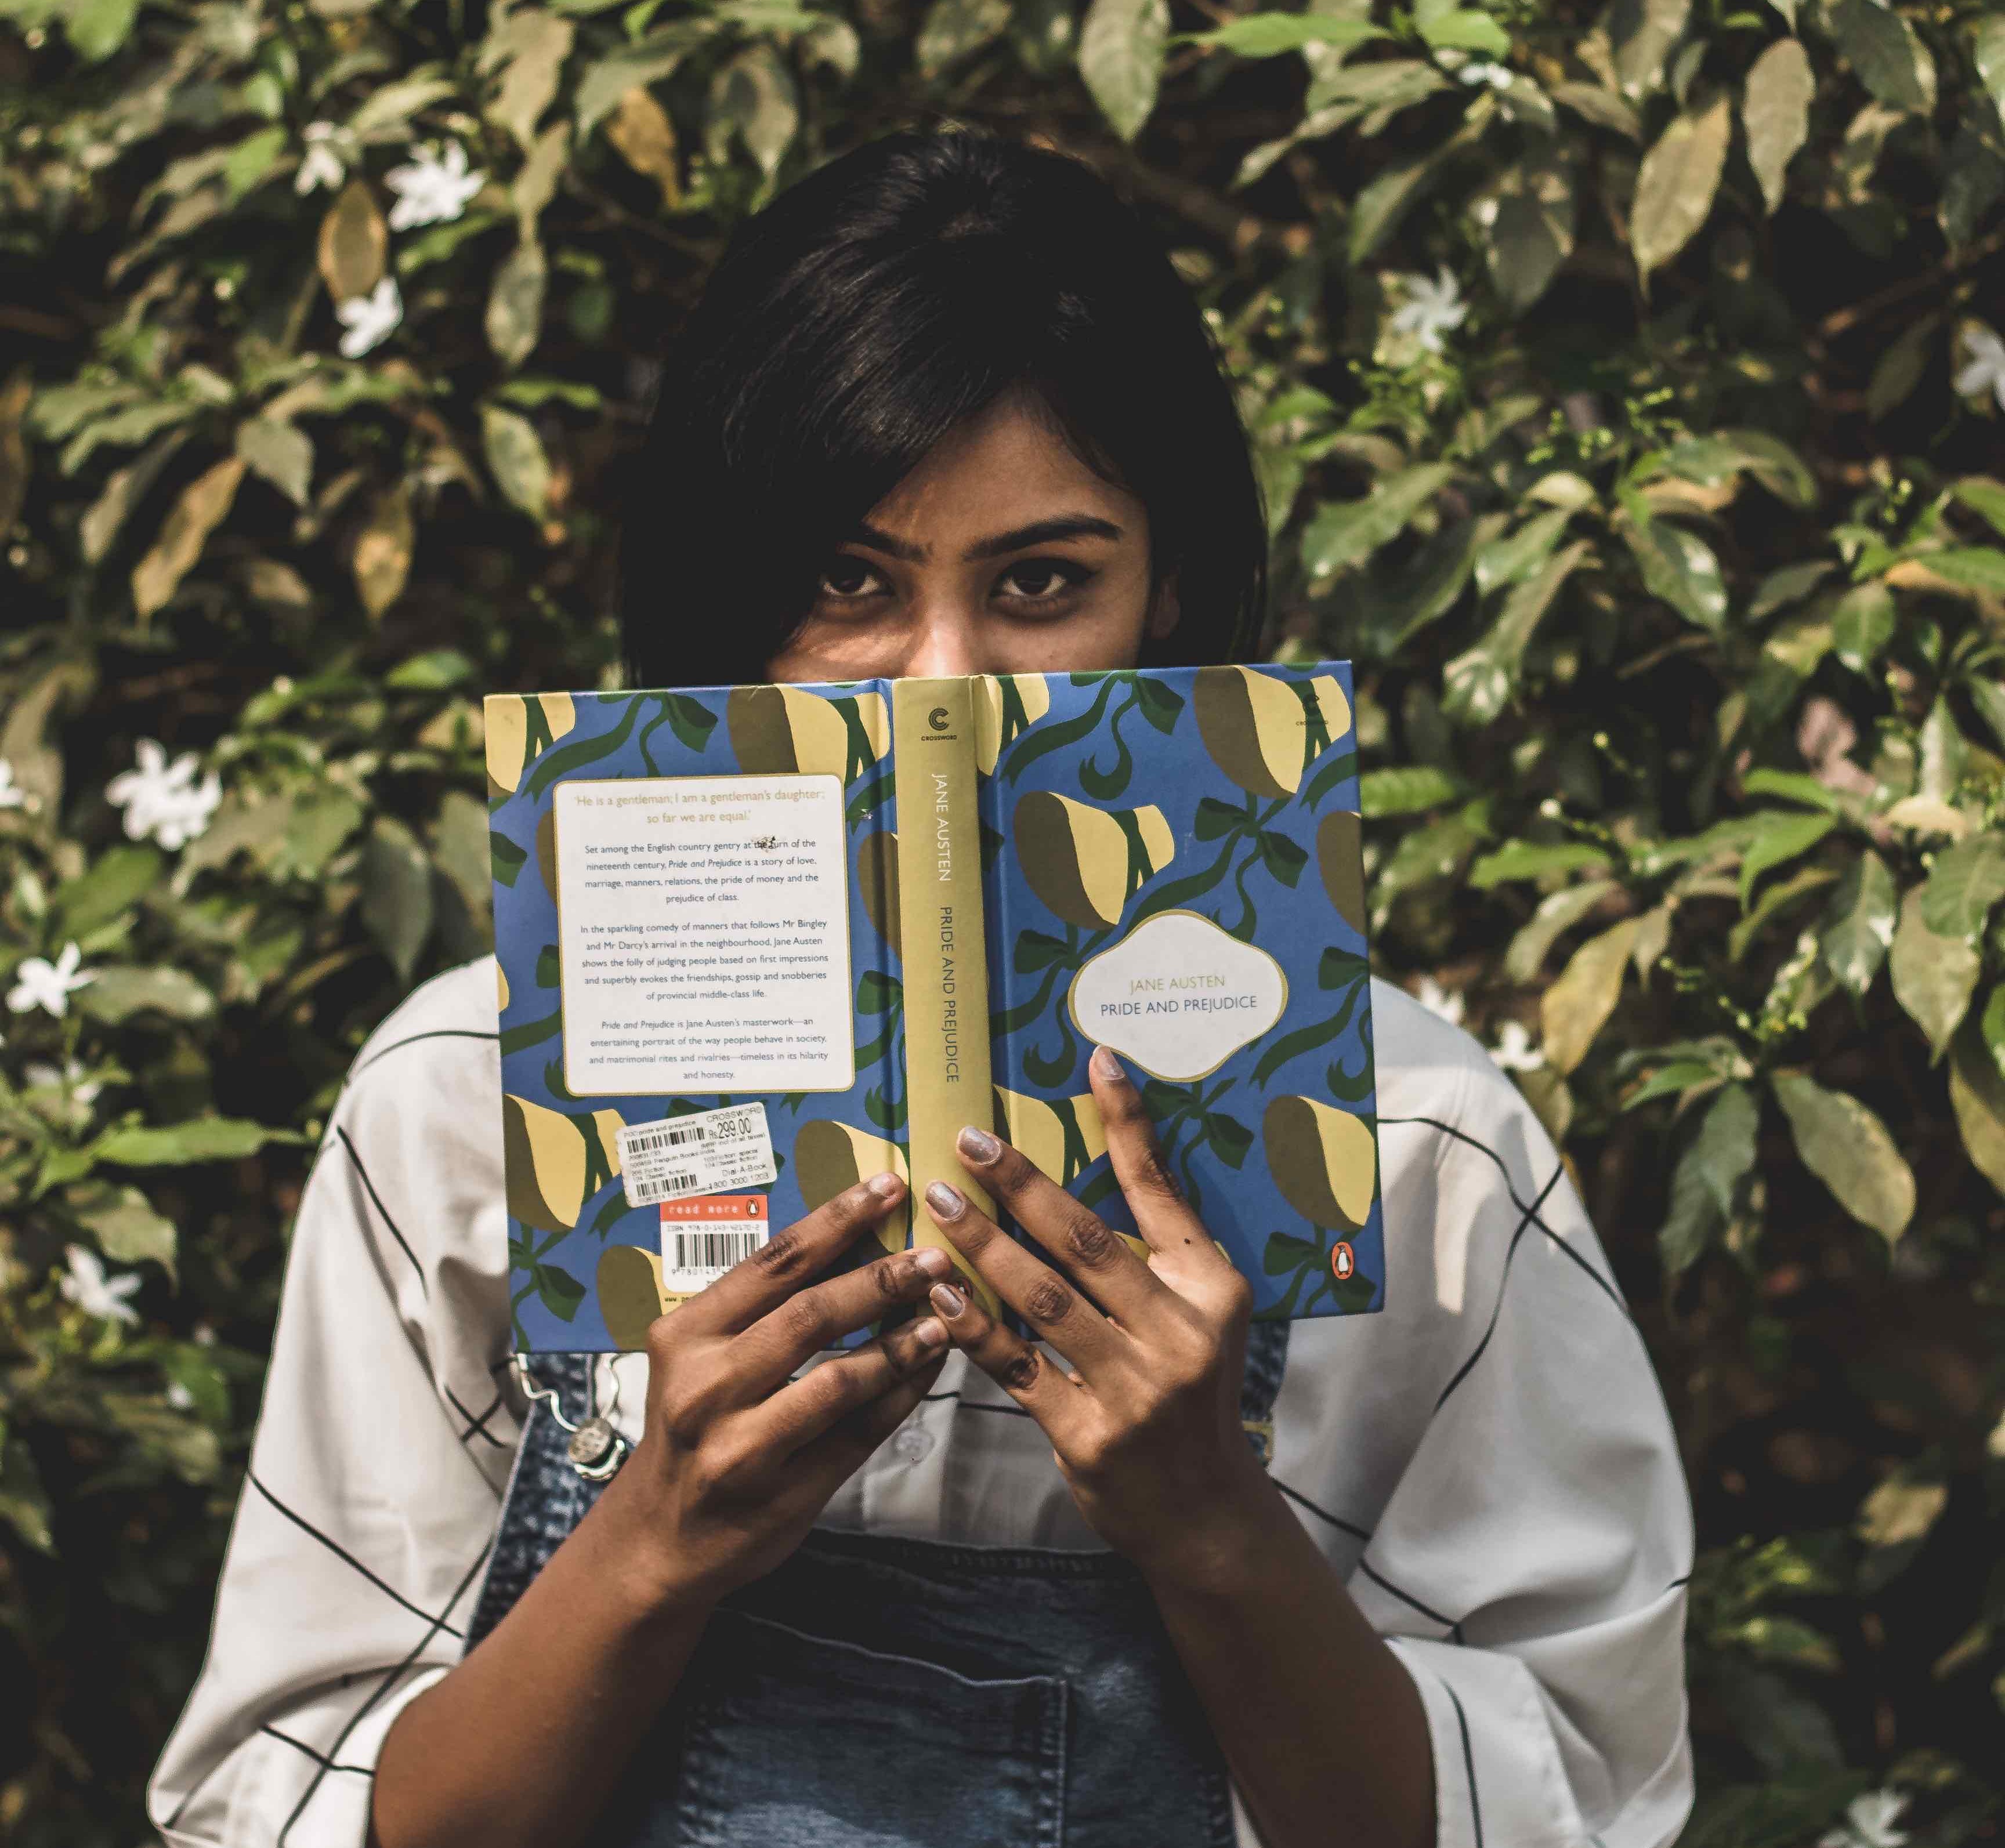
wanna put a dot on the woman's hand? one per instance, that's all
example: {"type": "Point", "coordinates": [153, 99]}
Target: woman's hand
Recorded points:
{"type": "Point", "coordinates": [736, 1460]}
{"type": "Point", "coordinates": [1146, 1426]}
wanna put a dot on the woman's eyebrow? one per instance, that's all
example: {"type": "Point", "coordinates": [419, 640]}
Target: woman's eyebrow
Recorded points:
{"type": "Point", "coordinates": [1042, 532]}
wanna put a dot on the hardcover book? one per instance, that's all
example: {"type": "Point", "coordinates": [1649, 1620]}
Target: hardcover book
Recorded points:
{"type": "Point", "coordinates": [756, 943]}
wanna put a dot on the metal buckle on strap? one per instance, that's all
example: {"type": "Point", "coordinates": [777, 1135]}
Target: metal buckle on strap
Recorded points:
{"type": "Point", "coordinates": [1260, 1430]}
{"type": "Point", "coordinates": [595, 1449]}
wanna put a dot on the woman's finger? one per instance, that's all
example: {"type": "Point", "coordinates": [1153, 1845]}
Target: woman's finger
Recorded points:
{"type": "Point", "coordinates": [1053, 1398]}
{"type": "Point", "coordinates": [1036, 1293]}
{"type": "Point", "coordinates": [1162, 1215]}
{"type": "Point", "coordinates": [1079, 1239]}
{"type": "Point", "coordinates": [817, 1317]}
{"type": "Point", "coordinates": [801, 1412]}
{"type": "Point", "coordinates": [779, 1268]}
{"type": "Point", "coordinates": [839, 1452]}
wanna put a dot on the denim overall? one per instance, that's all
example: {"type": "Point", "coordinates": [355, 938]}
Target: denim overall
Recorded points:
{"type": "Point", "coordinates": [876, 1691]}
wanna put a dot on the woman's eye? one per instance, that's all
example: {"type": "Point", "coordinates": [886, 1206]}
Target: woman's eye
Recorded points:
{"type": "Point", "coordinates": [1042, 579]}
{"type": "Point", "coordinates": [851, 577]}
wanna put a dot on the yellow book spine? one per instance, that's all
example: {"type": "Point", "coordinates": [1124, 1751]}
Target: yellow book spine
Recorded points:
{"type": "Point", "coordinates": [941, 940]}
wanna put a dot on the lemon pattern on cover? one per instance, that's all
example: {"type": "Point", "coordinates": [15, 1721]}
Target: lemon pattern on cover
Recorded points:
{"type": "Point", "coordinates": [1105, 799]}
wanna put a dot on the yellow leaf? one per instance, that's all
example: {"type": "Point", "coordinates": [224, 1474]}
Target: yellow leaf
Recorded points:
{"type": "Point", "coordinates": [646, 138]}
{"type": "Point", "coordinates": [354, 242]}
{"type": "Point", "coordinates": [1574, 1008]}
{"type": "Point", "coordinates": [382, 556]}
{"type": "Point", "coordinates": [203, 502]}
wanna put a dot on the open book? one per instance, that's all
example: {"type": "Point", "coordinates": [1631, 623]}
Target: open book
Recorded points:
{"type": "Point", "coordinates": [758, 943]}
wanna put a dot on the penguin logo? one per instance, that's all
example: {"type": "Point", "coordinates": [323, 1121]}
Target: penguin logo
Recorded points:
{"type": "Point", "coordinates": [1342, 1261]}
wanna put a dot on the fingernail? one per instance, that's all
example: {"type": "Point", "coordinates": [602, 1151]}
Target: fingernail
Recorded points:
{"type": "Point", "coordinates": [928, 1333]}
{"type": "Point", "coordinates": [945, 1201]}
{"type": "Point", "coordinates": [948, 1300]}
{"type": "Point", "coordinates": [978, 1144]}
{"type": "Point", "coordinates": [930, 1261]}
{"type": "Point", "coordinates": [1105, 1064]}
{"type": "Point", "coordinates": [886, 1186]}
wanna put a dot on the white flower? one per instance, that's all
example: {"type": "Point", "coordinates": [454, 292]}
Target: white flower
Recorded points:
{"type": "Point", "coordinates": [39, 984]}
{"type": "Point", "coordinates": [369, 318]}
{"type": "Point", "coordinates": [321, 165]}
{"type": "Point", "coordinates": [431, 191]}
{"type": "Point", "coordinates": [1446, 1002]}
{"type": "Point", "coordinates": [86, 1285]}
{"type": "Point", "coordinates": [1868, 1822]}
{"type": "Point", "coordinates": [1515, 1051]}
{"type": "Point", "coordinates": [1430, 309]}
{"type": "Point", "coordinates": [179, 1397]}
{"type": "Point", "coordinates": [68, 1077]}
{"type": "Point", "coordinates": [1986, 371]}
{"type": "Point", "coordinates": [12, 794]}
{"type": "Point", "coordinates": [163, 799]}
{"type": "Point", "coordinates": [1482, 70]}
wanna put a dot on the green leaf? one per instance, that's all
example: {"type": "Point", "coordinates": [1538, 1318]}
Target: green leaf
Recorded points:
{"type": "Point", "coordinates": [1464, 29]}
{"type": "Point", "coordinates": [515, 317]}
{"type": "Point", "coordinates": [1775, 113]}
{"type": "Point", "coordinates": [1966, 880]}
{"type": "Point", "coordinates": [1345, 533]}
{"type": "Point", "coordinates": [1557, 913]}
{"type": "Point", "coordinates": [1862, 625]}
{"type": "Point", "coordinates": [97, 28]}
{"type": "Point", "coordinates": [428, 672]}
{"type": "Point", "coordinates": [120, 877]}
{"type": "Point", "coordinates": [1269, 34]}
{"type": "Point", "coordinates": [1779, 838]}
{"type": "Point", "coordinates": [198, 1139]}
{"type": "Point", "coordinates": [1477, 685]}
{"type": "Point", "coordinates": [123, 1222]}
{"type": "Point", "coordinates": [755, 100]}
{"type": "Point", "coordinates": [1534, 860]}
{"type": "Point", "coordinates": [1406, 789]}
{"type": "Point", "coordinates": [1988, 696]}
{"type": "Point", "coordinates": [1575, 1008]}
{"type": "Point", "coordinates": [1847, 1147]}
{"type": "Point", "coordinates": [1676, 184]}
{"type": "Point", "coordinates": [1933, 977]}
{"type": "Point", "coordinates": [1984, 496]}
{"type": "Point", "coordinates": [1982, 567]}
{"type": "Point", "coordinates": [1121, 49]}
{"type": "Point", "coordinates": [396, 893]}
{"type": "Point", "coordinates": [1680, 567]}
{"type": "Point", "coordinates": [1642, 34]}
{"type": "Point", "coordinates": [1886, 54]}
{"type": "Point", "coordinates": [1527, 220]}
{"type": "Point", "coordinates": [1858, 926]}
{"type": "Point", "coordinates": [515, 454]}
{"type": "Point", "coordinates": [1977, 1096]}
{"type": "Point", "coordinates": [1792, 786]}
{"type": "Point", "coordinates": [1988, 50]}
{"type": "Point", "coordinates": [1705, 1183]}
{"type": "Point", "coordinates": [283, 455]}
{"type": "Point", "coordinates": [954, 29]}
{"type": "Point", "coordinates": [119, 992]}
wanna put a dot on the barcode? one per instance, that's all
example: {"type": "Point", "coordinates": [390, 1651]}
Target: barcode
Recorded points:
{"type": "Point", "coordinates": [715, 1252]}
{"type": "Point", "coordinates": [644, 1141]}
{"type": "Point", "coordinates": [665, 1186]}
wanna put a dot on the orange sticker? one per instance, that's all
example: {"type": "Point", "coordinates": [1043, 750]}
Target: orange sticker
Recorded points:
{"type": "Point", "coordinates": [1342, 1261]}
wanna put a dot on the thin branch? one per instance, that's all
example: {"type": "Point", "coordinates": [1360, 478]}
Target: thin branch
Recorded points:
{"type": "Point", "coordinates": [1840, 320]}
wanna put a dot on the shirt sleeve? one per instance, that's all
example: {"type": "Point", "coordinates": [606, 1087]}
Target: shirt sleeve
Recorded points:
{"type": "Point", "coordinates": [1532, 1539]}
{"type": "Point", "coordinates": [381, 1453]}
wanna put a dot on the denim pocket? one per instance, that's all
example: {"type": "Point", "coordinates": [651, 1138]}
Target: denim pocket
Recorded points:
{"type": "Point", "coordinates": [801, 1741]}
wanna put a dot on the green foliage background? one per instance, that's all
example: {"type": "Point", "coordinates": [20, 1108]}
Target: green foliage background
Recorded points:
{"type": "Point", "coordinates": [1674, 578]}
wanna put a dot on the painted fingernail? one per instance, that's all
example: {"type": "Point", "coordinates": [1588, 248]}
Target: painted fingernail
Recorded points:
{"type": "Point", "coordinates": [945, 1200]}
{"type": "Point", "coordinates": [1105, 1064]}
{"type": "Point", "coordinates": [948, 1300]}
{"type": "Point", "coordinates": [886, 1186]}
{"type": "Point", "coordinates": [928, 1333]}
{"type": "Point", "coordinates": [930, 1261]}
{"type": "Point", "coordinates": [978, 1144]}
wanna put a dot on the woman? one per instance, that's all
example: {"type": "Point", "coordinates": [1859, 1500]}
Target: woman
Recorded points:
{"type": "Point", "coordinates": [945, 410]}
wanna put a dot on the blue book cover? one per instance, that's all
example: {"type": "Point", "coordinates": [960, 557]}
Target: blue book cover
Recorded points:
{"type": "Point", "coordinates": [758, 943]}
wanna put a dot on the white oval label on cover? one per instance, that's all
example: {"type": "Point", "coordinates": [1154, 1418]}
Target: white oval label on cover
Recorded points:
{"type": "Point", "coordinates": [1178, 996]}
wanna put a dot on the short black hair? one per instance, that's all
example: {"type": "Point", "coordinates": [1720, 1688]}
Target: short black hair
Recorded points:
{"type": "Point", "coordinates": [858, 318]}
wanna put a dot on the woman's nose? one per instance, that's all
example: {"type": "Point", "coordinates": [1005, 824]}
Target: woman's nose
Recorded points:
{"type": "Point", "coordinates": [945, 640]}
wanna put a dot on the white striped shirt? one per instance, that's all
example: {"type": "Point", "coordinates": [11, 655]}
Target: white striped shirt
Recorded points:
{"type": "Point", "coordinates": [1488, 1462]}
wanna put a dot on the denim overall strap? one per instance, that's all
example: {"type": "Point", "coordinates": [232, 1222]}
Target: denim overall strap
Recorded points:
{"type": "Point", "coordinates": [546, 1496]}
{"type": "Point", "coordinates": [1266, 1360]}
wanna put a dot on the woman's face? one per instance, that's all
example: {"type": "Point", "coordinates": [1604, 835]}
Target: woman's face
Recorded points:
{"type": "Point", "coordinates": [1002, 553]}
